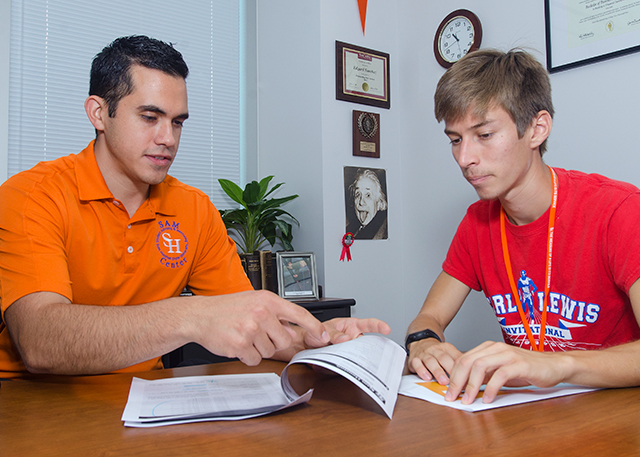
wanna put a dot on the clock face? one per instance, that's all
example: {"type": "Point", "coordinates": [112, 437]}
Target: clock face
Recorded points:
{"type": "Point", "coordinates": [458, 34]}
{"type": "Point", "coordinates": [456, 39]}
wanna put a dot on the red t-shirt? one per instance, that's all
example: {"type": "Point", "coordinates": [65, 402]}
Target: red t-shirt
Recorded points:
{"type": "Point", "coordinates": [596, 259]}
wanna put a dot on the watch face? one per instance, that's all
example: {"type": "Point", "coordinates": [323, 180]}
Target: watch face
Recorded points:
{"type": "Point", "coordinates": [456, 39]}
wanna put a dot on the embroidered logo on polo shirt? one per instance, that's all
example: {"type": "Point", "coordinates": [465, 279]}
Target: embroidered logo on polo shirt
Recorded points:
{"type": "Point", "coordinates": [172, 244]}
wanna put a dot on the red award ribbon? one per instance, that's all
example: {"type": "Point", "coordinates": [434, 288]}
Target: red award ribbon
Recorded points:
{"type": "Point", "coordinates": [347, 241]}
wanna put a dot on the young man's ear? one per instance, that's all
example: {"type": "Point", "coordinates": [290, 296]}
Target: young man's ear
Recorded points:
{"type": "Point", "coordinates": [97, 111]}
{"type": "Point", "coordinates": [541, 128]}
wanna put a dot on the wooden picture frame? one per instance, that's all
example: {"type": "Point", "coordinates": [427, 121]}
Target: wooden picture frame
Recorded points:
{"type": "Point", "coordinates": [362, 75]}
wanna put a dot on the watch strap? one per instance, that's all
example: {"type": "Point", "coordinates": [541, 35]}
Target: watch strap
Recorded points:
{"type": "Point", "coordinates": [421, 335]}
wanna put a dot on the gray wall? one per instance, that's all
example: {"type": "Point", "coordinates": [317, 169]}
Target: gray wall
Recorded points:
{"type": "Point", "coordinates": [305, 137]}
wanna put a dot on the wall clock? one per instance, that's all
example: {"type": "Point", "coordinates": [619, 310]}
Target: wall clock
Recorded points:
{"type": "Point", "coordinates": [458, 34]}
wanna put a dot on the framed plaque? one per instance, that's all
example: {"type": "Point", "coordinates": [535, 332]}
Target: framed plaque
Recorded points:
{"type": "Point", "coordinates": [362, 75]}
{"type": "Point", "coordinates": [581, 32]}
{"type": "Point", "coordinates": [366, 134]}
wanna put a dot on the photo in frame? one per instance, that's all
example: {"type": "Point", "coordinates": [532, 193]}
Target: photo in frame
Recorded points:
{"type": "Point", "coordinates": [366, 203]}
{"type": "Point", "coordinates": [362, 75]}
{"type": "Point", "coordinates": [581, 32]}
{"type": "Point", "coordinates": [297, 275]}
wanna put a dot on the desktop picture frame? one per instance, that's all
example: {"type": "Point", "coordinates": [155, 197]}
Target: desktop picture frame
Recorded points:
{"type": "Point", "coordinates": [297, 275]}
{"type": "Point", "coordinates": [579, 33]}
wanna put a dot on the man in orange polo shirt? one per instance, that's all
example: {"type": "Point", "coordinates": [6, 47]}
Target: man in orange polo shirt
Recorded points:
{"type": "Point", "coordinates": [108, 228]}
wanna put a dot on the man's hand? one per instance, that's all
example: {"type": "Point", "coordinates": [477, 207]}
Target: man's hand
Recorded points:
{"type": "Point", "coordinates": [343, 329]}
{"type": "Point", "coordinates": [498, 365]}
{"type": "Point", "coordinates": [254, 325]}
{"type": "Point", "coordinates": [429, 358]}
{"type": "Point", "coordinates": [432, 360]}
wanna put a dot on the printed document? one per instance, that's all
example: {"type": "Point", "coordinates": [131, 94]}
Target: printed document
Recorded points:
{"type": "Point", "coordinates": [431, 391]}
{"type": "Point", "coordinates": [372, 362]}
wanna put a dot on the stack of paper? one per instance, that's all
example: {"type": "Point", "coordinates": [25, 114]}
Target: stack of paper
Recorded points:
{"type": "Point", "coordinates": [372, 362]}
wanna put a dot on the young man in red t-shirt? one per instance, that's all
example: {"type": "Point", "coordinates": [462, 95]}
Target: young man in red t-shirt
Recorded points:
{"type": "Point", "coordinates": [571, 234]}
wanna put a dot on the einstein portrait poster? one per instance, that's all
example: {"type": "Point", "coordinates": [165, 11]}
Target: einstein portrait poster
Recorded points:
{"type": "Point", "coordinates": [365, 191]}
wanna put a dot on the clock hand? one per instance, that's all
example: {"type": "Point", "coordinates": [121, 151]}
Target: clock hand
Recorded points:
{"type": "Point", "coordinates": [451, 45]}
{"type": "Point", "coordinates": [454, 43]}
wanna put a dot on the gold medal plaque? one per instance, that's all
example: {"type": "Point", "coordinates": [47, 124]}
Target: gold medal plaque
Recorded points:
{"type": "Point", "coordinates": [366, 134]}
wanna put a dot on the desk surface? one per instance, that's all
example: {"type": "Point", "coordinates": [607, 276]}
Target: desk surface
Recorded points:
{"type": "Point", "coordinates": [81, 416]}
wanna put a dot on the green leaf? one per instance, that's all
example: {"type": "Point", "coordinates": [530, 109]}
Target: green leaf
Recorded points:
{"type": "Point", "coordinates": [234, 216]}
{"type": "Point", "coordinates": [233, 190]}
{"type": "Point", "coordinates": [272, 189]}
{"type": "Point", "coordinates": [269, 233]}
{"type": "Point", "coordinates": [285, 229]}
{"type": "Point", "coordinates": [275, 202]}
{"type": "Point", "coordinates": [264, 185]}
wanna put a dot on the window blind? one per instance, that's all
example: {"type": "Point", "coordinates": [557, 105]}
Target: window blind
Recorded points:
{"type": "Point", "coordinates": [53, 44]}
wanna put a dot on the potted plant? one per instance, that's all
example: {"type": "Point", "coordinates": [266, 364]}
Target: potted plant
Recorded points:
{"type": "Point", "coordinates": [260, 219]}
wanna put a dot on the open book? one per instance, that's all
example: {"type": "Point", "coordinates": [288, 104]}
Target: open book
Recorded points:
{"type": "Point", "coordinates": [372, 362]}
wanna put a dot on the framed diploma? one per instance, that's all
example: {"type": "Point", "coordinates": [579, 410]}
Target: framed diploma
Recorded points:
{"type": "Point", "coordinates": [579, 32]}
{"type": "Point", "coordinates": [362, 75]}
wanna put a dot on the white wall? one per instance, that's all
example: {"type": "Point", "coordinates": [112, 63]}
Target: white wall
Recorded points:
{"type": "Point", "coordinates": [289, 113]}
{"type": "Point", "coordinates": [301, 122]}
{"type": "Point", "coordinates": [375, 276]}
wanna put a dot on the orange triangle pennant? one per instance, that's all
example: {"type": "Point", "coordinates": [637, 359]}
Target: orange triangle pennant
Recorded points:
{"type": "Point", "coordinates": [362, 6]}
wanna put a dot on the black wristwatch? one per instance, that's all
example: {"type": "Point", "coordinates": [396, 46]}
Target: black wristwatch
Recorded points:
{"type": "Point", "coordinates": [421, 335]}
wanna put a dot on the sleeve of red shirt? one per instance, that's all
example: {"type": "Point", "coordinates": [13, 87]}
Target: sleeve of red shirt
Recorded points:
{"type": "Point", "coordinates": [459, 262]}
{"type": "Point", "coordinates": [623, 243]}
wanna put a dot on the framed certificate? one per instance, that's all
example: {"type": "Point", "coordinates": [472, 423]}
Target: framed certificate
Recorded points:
{"type": "Point", "coordinates": [580, 32]}
{"type": "Point", "coordinates": [362, 75]}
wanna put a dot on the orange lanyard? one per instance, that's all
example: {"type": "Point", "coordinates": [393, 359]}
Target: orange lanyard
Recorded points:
{"type": "Point", "coordinates": [547, 285]}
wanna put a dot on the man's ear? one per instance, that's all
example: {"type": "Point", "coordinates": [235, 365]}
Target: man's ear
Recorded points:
{"type": "Point", "coordinates": [97, 111]}
{"type": "Point", "coordinates": [541, 128]}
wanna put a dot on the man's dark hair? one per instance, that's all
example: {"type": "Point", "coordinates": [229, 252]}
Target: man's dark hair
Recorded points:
{"type": "Point", "coordinates": [111, 67]}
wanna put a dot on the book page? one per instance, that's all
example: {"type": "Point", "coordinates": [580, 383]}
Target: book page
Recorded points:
{"type": "Point", "coordinates": [372, 362]}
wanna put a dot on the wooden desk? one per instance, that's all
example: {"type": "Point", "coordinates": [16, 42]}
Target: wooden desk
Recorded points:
{"type": "Point", "coordinates": [81, 416]}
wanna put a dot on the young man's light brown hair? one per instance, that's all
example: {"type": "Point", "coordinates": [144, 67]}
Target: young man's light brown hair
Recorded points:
{"type": "Point", "coordinates": [487, 78]}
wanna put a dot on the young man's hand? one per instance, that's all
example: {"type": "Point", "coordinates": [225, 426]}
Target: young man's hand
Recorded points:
{"type": "Point", "coordinates": [432, 360]}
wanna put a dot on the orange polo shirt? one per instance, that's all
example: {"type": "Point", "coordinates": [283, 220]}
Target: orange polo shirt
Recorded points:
{"type": "Point", "coordinates": [62, 231]}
